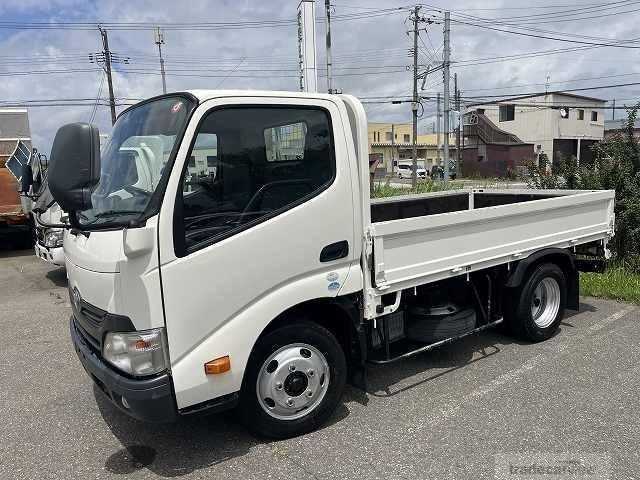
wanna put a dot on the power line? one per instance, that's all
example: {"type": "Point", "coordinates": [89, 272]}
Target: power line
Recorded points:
{"type": "Point", "coordinates": [617, 45]}
{"type": "Point", "coordinates": [563, 13]}
{"type": "Point", "coordinates": [556, 82]}
{"type": "Point", "coordinates": [231, 25]}
{"type": "Point", "coordinates": [530, 7]}
{"type": "Point", "coordinates": [48, 72]}
{"type": "Point", "coordinates": [95, 105]}
{"type": "Point", "coordinates": [565, 18]}
{"type": "Point", "coordinates": [583, 89]}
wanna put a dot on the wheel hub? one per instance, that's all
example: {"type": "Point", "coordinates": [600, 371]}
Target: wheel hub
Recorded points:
{"type": "Point", "coordinates": [293, 381]}
{"type": "Point", "coordinates": [545, 302]}
{"type": "Point", "coordinates": [295, 384]}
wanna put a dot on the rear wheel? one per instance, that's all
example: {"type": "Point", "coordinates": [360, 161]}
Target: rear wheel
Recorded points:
{"type": "Point", "coordinates": [539, 304]}
{"type": "Point", "coordinates": [294, 381]}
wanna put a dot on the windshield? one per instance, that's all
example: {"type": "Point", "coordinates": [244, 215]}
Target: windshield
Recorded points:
{"type": "Point", "coordinates": [132, 164]}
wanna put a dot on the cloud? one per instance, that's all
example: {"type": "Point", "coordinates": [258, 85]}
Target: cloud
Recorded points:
{"type": "Point", "coordinates": [265, 58]}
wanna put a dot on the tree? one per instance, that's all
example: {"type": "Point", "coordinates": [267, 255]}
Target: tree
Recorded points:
{"type": "Point", "coordinates": [616, 166]}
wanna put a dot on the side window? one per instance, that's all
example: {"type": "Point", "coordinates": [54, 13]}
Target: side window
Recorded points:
{"type": "Point", "coordinates": [249, 164]}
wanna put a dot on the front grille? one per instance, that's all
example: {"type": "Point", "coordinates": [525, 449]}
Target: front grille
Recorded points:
{"type": "Point", "coordinates": [40, 234]}
{"type": "Point", "coordinates": [92, 317]}
{"type": "Point", "coordinates": [87, 339]}
{"type": "Point", "coordinates": [89, 320]}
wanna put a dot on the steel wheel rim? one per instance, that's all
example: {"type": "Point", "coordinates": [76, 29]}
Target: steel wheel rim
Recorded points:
{"type": "Point", "coordinates": [292, 381]}
{"type": "Point", "coordinates": [545, 302]}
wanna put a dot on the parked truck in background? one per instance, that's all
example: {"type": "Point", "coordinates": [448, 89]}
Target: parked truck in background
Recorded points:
{"type": "Point", "coordinates": [49, 239]}
{"type": "Point", "coordinates": [271, 283]}
{"type": "Point", "coordinates": [16, 222]}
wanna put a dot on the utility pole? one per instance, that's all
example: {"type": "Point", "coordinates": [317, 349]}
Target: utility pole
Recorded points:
{"type": "Point", "coordinates": [447, 109]}
{"type": "Point", "coordinates": [457, 127]}
{"type": "Point", "coordinates": [159, 39]}
{"type": "Point", "coordinates": [107, 62]}
{"type": "Point", "coordinates": [393, 146]}
{"type": "Point", "coordinates": [614, 109]}
{"type": "Point", "coordinates": [438, 129]}
{"type": "Point", "coordinates": [327, 7]}
{"type": "Point", "coordinates": [307, 46]}
{"type": "Point", "coordinates": [414, 103]}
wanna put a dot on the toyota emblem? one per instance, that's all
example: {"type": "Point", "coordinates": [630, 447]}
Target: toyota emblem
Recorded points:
{"type": "Point", "coordinates": [75, 294]}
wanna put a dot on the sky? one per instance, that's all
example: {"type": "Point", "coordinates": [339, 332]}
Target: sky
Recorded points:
{"type": "Point", "coordinates": [371, 42]}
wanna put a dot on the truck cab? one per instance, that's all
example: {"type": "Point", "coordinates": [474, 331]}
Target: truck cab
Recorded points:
{"type": "Point", "coordinates": [258, 278]}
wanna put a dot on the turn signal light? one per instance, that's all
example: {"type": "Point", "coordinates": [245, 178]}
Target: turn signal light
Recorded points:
{"type": "Point", "coordinates": [219, 365]}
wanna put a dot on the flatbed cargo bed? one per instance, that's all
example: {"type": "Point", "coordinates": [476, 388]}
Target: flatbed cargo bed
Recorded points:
{"type": "Point", "coordinates": [420, 239]}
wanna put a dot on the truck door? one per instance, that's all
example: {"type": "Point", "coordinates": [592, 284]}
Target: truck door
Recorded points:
{"type": "Point", "coordinates": [271, 226]}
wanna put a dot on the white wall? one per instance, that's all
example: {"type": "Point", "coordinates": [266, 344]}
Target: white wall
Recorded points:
{"type": "Point", "coordinates": [540, 125]}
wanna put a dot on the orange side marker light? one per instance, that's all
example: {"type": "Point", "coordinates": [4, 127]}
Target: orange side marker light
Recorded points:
{"type": "Point", "coordinates": [219, 365]}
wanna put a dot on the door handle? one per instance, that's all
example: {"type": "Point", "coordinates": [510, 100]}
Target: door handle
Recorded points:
{"type": "Point", "coordinates": [334, 251]}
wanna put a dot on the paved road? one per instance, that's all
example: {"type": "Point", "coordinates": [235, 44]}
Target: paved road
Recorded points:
{"type": "Point", "coordinates": [446, 414]}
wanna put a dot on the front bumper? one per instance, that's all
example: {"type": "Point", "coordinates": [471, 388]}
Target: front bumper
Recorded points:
{"type": "Point", "coordinates": [50, 255]}
{"type": "Point", "coordinates": [150, 400]}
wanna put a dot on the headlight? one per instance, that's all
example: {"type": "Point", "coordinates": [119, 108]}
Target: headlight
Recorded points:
{"type": "Point", "coordinates": [54, 238]}
{"type": "Point", "coordinates": [137, 353]}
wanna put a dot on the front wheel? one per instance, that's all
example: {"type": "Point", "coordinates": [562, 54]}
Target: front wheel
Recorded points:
{"type": "Point", "coordinates": [538, 307]}
{"type": "Point", "coordinates": [295, 378]}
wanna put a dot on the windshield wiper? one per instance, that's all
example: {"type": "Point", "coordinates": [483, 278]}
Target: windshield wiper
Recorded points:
{"type": "Point", "coordinates": [111, 213]}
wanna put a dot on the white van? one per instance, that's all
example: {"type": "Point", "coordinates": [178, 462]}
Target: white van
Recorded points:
{"type": "Point", "coordinates": [405, 170]}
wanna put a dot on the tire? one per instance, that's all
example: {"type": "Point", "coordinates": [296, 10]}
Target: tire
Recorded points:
{"type": "Point", "coordinates": [538, 305]}
{"type": "Point", "coordinates": [304, 346]}
{"type": "Point", "coordinates": [423, 326]}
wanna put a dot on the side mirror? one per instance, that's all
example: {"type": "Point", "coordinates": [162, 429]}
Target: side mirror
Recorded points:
{"type": "Point", "coordinates": [26, 179]}
{"type": "Point", "coordinates": [74, 166]}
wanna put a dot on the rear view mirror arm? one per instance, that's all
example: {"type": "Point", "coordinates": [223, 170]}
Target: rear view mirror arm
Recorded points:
{"type": "Point", "coordinates": [51, 225]}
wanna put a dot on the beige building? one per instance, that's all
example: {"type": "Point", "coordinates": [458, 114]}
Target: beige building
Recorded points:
{"type": "Point", "coordinates": [557, 124]}
{"type": "Point", "coordinates": [393, 142]}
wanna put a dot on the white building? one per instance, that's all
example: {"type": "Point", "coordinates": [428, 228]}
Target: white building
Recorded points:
{"type": "Point", "coordinates": [558, 124]}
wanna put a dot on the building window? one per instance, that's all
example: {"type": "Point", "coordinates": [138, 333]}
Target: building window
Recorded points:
{"type": "Point", "coordinates": [580, 114]}
{"type": "Point", "coordinates": [406, 138]}
{"type": "Point", "coordinates": [388, 136]}
{"type": "Point", "coordinates": [594, 116]}
{"type": "Point", "coordinates": [507, 113]}
{"type": "Point", "coordinates": [285, 142]}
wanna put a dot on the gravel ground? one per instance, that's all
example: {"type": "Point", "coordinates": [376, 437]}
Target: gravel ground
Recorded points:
{"type": "Point", "coordinates": [451, 413]}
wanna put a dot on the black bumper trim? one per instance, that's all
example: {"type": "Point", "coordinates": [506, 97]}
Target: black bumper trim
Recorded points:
{"type": "Point", "coordinates": [219, 404]}
{"type": "Point", "coordinates": [150, 400]}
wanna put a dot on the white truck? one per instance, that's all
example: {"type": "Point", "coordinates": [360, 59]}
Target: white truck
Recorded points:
{"type": "Point", "coordinates": [270, 284]}
{"type": "Point", "coordinates": [49, 240]}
